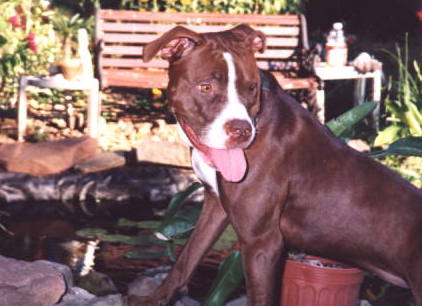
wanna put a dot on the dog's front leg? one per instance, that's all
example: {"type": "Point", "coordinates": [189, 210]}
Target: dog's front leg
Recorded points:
{"type": "Point", "coordinates": [211, 223]}
{"type": "Point", "coordinates": [261, 242]}
{"type": "Point", "coordinates": [261, 261]}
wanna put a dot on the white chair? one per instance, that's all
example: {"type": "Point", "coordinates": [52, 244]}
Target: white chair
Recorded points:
{"type": "Point", "coordinates": [85, 82]}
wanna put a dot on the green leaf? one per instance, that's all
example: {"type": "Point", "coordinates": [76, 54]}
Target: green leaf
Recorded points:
{"type": "Point", "coordinates": [91, 232]}
{"type": "Point", "coordinates": [230, 274]}
{"type": "Point", "coordinates": [178, 200]}
{"type": "Point", "coordinates": [347, 120]}
{"type": "Point", "coordinates": [388, 135]}
{"type": "Point", "coordinates": [170, 251]}
{"type": "Point", "coordinates": [139, 224]}
{"type": "Point", "coordinates": [226, 240]}
{"type": "Point", "coordinates": [145, 254]}
{"type": "Point", "coordinates": [181, 224]}
{"type": "Point", "coordinates": [409, 146]}
{"type": "Point", "coordinates": [125, 239]}
{"type": "Point", "coordinates": [3, 41]}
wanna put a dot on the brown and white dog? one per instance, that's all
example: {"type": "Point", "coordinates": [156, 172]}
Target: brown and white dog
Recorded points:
{"type": "Point", "coordinates": [277, 175]}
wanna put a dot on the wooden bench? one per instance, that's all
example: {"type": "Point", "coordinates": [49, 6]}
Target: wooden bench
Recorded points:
{"type": "Point", "coordinates": [121, 35]}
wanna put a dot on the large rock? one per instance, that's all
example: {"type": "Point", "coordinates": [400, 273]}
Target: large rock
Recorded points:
{"type": "Point", "coordinates": [146, 285]}
{"type": "Point", "coordinates": [45, 158]}
{"type": "Point", "coordinates": [100, 162]}
{"type": "Point", "coordinates": [143, 183]}
{"type": "Point", "coordinates": [29, 283]}
{"type": "Point", "coordinates": [80, 297]}
{"type": "Point", "coordinates": [164, 152]}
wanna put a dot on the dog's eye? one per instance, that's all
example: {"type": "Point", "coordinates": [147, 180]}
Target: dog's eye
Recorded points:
{"type": "Point", "coordinates": [252, 87]}
{"type": "Point", "coordinates": [205, 87]}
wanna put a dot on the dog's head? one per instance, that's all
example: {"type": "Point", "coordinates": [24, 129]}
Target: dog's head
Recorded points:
{"type": "Point", "coordinates": [213, 90]}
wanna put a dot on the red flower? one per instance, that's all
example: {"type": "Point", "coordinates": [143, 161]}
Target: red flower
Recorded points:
{"type": "Point", "coordinates": [32, 45]}
{"type": "Point", "coordinates": [14, 21]}
{"type": "Point", "coordinates": [419, 15]}
{"type": "Point", "coordinates": [30, 37]}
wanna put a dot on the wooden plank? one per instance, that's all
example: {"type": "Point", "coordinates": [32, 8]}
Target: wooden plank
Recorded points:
{"type": "Point", "coordinates": [132, 78]}
{"type": "Point", "coordinates": [122, 50]}
{"type": "Point", "coordinates": [137, 51]}
{"type": "Point", "coordinates": [128, 38]}
{"type": "Point", "coordinates": [296, 83]}
{"type": "Point", "coordinates": [146, 38]}
{"type": "Point", "coordinates": [275, 53]}
{"type": "Point", "coordinates": [195, 18]}
{"type": "Point", "coordinates": [133, 63]}
{"type": "Point", "coordinates": [162, 28]}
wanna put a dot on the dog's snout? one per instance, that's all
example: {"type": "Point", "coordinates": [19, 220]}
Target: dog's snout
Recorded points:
{"type": "Point", "coordinates": [238, 128]}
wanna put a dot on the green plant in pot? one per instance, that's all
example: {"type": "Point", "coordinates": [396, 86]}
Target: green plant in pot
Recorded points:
{"type": "Point", "coordinates": [69, 62]}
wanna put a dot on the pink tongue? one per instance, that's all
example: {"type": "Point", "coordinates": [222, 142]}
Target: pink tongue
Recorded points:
{"type": "Point", "coordinates": [231, 163]}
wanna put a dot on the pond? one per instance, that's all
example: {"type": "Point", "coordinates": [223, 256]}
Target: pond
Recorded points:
{"type": "Point", "coordinates": [48, 231]}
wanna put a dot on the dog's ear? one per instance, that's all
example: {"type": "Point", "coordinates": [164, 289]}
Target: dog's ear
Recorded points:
{"type": "Point", "coordinates": [255, 39]}
{"type": "Point", "coordinates": [173, 44]}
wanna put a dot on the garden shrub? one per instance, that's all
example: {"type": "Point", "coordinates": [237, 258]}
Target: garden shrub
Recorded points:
{"type": "Point", "coordinates": [27, 43]}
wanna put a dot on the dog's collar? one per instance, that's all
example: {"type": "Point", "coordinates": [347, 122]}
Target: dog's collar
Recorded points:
{"type": "Point", "coordinates": [265, 86]}
{"type": "Point", "coordinates": [264, 83]}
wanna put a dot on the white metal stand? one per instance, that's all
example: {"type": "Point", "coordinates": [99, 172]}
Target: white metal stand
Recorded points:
{"type": "Point", "coordinates": [59, 82]}
{"type": "Point", "coordinates": [326, 73]}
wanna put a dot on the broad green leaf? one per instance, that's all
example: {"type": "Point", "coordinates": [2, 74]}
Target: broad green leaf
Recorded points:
{"type": "Point", "coordinates": [347, 120]}
{"type": "Point", "coordinates": [409, 146]}
{"type": "Point", "coordinates": [414, 119]}
{"type": "Point", "coordinates": [227, 239]}
{"type": "Point", "coordinates": [125, 239]}
{"type": "Point", "coordinates": [230, 274]}
{"type": "Point", "coordinates": [178, 200]}
{"type": "Point", "coordinates": [91, 232]}
{"type": "Point", "coordinates": [181, 224]}
{"type": "Point", "coordinates": [388, 135]}
{"type": "Point", "coordinates": [145, 254]}
{"type": "Point", "coordinates": [139, 224]}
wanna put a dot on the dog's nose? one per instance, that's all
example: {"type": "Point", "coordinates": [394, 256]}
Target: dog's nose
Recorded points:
{"type": "Point", "coordinates": [237, 128]}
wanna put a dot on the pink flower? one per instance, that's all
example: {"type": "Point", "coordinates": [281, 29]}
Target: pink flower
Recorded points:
{"type": "Point", "coordinates": [32, 45]}
{"type": "Point", "coordinates": [419, 15]}
{"type": "Point", "coordinates": [14, 21]}
{"type": "Point", "coordinates": [30, 37]}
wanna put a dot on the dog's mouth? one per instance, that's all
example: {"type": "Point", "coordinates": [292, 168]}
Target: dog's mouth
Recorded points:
{"type": "Point", "coordinates": [231, 163]}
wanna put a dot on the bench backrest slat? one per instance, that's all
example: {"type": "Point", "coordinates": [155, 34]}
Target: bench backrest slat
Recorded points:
{"type": "Point", "coordinates": [192, 18]}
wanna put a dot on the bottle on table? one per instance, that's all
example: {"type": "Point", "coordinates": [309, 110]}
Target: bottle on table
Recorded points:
{"type": "Point", "coordinates": [336, 47]}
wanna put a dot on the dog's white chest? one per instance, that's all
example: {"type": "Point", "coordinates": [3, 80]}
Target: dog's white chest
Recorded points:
{"type": "Point", "coordinates": [205, 172]}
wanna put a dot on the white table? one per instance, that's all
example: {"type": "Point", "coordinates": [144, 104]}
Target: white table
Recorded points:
{"type": "Point", "coordinates": [329, 73]}
{"type": "Point", "coordinates": [91, 85]}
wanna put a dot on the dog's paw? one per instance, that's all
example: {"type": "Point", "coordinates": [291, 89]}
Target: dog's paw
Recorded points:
{"type": "Point", "coordinates": [136, 300]}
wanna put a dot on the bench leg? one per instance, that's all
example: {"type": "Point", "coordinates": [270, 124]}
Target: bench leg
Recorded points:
{"type": "Point", "coordinates": [94, 109]}
{"type": "Point", "coordinates": [22, 108]}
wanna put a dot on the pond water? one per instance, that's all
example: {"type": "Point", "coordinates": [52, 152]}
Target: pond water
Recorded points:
{"type": "Point", "coordinates": [49, 231]}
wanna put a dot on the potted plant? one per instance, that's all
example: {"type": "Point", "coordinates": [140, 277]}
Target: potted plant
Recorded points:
{"type": "Point", "coordinates": [69, 62]}
{"type": "Point", "coordinates": [315, 281]}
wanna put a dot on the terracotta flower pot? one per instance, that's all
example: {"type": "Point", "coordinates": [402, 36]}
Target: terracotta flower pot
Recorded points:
{"type": "Point", "coordinates": [304, 284]}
